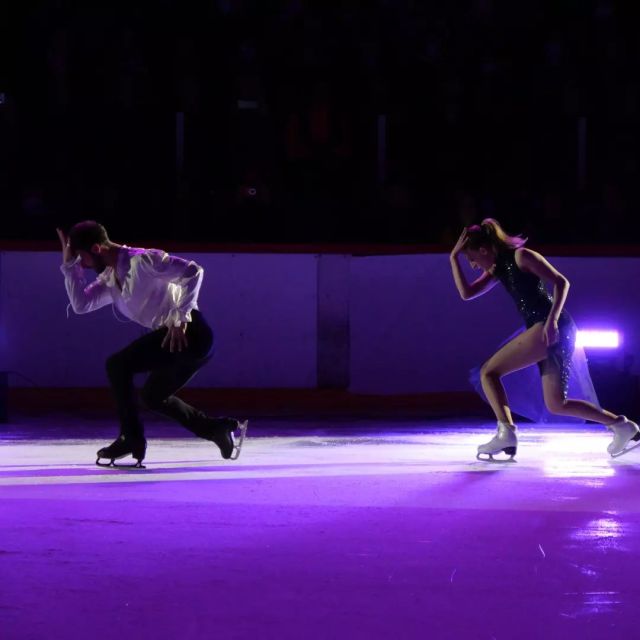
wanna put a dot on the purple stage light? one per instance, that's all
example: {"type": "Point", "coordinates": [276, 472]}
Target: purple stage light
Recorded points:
{"type": "Point", "coordinates": [598, 339]}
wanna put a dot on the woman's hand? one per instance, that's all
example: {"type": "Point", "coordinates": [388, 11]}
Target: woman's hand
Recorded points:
{"type": "Point", "coordinates": [550, 333]}
{"type": "Point", "coordinates": [459, 246]}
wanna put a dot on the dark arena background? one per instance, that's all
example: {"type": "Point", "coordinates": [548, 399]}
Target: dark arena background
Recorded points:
{"type": "Point", "coordinates": [318, 161]}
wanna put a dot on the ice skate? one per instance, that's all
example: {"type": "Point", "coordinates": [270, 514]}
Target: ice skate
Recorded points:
{"type": "Point", "coordinates": [504, 440]}
{"type": "Point", "coordinates": [626, 437]}
{"type": "Point", "coordinates": [123, 446]}
{"type": "Point", "coordinates": [227, 433]}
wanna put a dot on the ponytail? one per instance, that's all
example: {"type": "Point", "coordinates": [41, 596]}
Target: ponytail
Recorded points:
{"type": "Point", "coordinates": [489, 234]}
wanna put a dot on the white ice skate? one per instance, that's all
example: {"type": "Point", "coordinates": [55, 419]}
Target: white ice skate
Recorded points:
{"type": "Point", "coordinates": [626, 437]}
{"type": "Point", "coordinates": [505, 440]}
{"type": "Point", "coordinates": [238, 438]}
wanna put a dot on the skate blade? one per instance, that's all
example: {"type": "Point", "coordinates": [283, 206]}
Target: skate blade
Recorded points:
{"type": "Point", "coordinates": [112, 464]}
{"type": "Point", "coordinates": [626, 450]}
{"type": "Point", "coordinates": [237, 444]}
{"type": "Point", "coordinates": [137, 465]}
{"type": "Point", "coordinates": [490, 458]}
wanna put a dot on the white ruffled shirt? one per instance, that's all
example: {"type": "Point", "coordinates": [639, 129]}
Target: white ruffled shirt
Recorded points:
{"type": "Point", "coordinates": [158, 290]}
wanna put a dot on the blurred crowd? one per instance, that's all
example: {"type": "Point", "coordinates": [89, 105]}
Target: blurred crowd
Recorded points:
{"type": "Point", "coordinates": [320, 121]}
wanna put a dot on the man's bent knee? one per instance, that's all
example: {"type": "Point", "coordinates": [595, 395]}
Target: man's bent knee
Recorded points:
{"type": "Point", "coordinates": [151, 399]}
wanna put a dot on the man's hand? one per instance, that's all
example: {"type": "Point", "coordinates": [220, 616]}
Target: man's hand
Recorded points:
{"type": "Point", "coordinates": [176, 338]}
{"type": "Point", "coordinates": [67, 255]}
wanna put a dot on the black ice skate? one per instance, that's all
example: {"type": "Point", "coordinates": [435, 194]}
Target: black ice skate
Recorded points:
{"type": "Point", "coordinates": [227, 433]}
{"type": "Point", "coordinates": [123, 446]}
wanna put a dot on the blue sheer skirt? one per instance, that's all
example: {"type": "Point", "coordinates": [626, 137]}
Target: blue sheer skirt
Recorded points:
{"type": "Point", "coordinates": [524, 388]}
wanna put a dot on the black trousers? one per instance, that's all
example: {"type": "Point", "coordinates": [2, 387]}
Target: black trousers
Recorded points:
{"type": "Point", "coordinates": [168, 373]}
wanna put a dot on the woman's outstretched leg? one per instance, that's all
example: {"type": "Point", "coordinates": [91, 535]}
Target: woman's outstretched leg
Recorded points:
{"type": "Point", "coordinates": [624, 431]}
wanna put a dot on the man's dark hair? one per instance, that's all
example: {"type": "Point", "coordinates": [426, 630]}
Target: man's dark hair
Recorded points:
{"type": "Point", "coordinates": [85, 234]}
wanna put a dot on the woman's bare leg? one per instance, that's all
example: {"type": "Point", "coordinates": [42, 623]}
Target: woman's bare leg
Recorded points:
{"type": "Point", "coordinates": [524, 350]}
{"type": "Point", "coordinates": [556, 403]}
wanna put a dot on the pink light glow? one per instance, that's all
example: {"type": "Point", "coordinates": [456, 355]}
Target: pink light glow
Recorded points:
{"type": "Point", "coordinates": [599, 339]}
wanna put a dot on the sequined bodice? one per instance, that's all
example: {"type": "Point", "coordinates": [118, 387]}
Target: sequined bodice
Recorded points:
{"type": "Point", "coordinates": [529, 292]}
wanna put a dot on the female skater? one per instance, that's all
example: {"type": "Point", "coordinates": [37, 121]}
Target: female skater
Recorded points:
{"type": "Point", "coordinates": [548, 340]}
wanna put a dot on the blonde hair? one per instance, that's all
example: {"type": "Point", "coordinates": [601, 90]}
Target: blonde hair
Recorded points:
{"type": "Point", "coordinates": [490, 234]}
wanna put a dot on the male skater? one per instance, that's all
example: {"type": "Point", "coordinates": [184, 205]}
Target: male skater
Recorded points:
{"type": "Point", "coordinates": [159, 292]}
